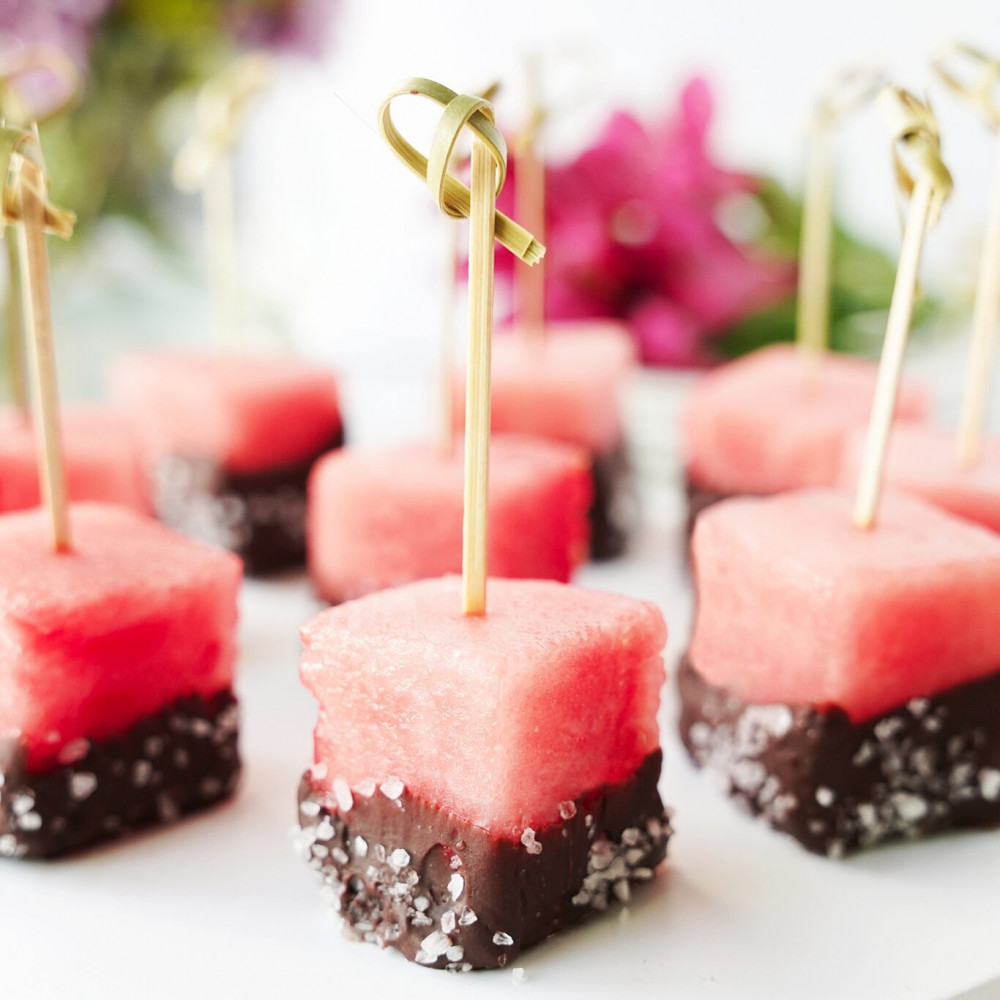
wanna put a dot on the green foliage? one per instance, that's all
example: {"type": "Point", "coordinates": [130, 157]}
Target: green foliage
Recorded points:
{"type": "Point", "coordinates": [861, 287]}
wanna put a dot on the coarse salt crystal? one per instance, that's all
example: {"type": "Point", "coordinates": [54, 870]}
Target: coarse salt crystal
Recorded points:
{"type": "Point", "coordinates": [342, 793]}
{"type": "Point", "coordinates": [528, 839]}
{"type": "Point", "coordinates": [503, 939]}
{"type": "Point", "coordinates": [456, 886]}
{"type": "Point", "coordinates": [392, 788]}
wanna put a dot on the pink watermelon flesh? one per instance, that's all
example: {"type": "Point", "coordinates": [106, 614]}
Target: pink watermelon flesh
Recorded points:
{"type": "Point", "coordinates": [761, 425]}
{"type": "Point", "coordinates": [247, 413]}
{"type": "Point", "coordinates": [923, 461]}
{"type": "Point", "coordinates": [133, 618]}
{"type": "Point", "coordinates": [565, 385]}
{"type": "Point", "coordinates": [100, 452]}
{"type": "Point", "coordinates": [499, 718]}
{"type": "Point", "coordinates": [382, 518]}
{"type": "Point", "coordinates": [797, 605]}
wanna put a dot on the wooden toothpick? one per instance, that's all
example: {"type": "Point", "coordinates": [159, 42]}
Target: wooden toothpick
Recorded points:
{"type": "Point", "coordinates": [25, 203]}
{"type": "Point", "coordinates": [489, 164]}
{"type": "Point", "coordinates": [205, 163]}
{"type": "Point", "coordinates": [914, 128]}
{"type": "Point", "coordinates": [852, 89]}
{"type": "Point", "coordinates": [14, 110]}
{"type": "Point", "coordinates": [477, 396]}
{"type": "Point", "coordinates": [529, 197]}
{"type": "Point", "coordinates": [983, 93]}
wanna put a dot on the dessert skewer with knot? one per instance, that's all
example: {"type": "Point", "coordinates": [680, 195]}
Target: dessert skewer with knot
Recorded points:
{"type": "Point", "coordinates": [428, 819]}
{"type": "Point", "coordinates": [779, 418]}
{"type": "Point", "coordinates": [117, 634]}
{"type": "Point", "coordinates": [958, 469]}
{"type": "Point", "coordinates": [843, 678]}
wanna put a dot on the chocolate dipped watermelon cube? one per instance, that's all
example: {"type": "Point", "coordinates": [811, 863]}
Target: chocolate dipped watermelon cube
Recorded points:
{"type": "Point", "coordinates": [846, 683]}
{"type": "Point", "coordinates": [481, 782]}
{"type": "Point", "coordinates": [228, 443]}
{"type": "Point", "coordinates": [382, 518]}
{"type": "Point", "coordinates": [767, 423]}
{"type": "Point", "coordinates": [100, 453]}
{"type": "Point", "coordinates": [567, 385]}
{"type": "Point", "coordinates": [923, 461]}
{"type": "Point", "coordinates": [116, 674]}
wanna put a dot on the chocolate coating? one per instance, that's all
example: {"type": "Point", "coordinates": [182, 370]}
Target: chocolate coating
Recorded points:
{"type": "Point", "coordinates": [839, 786]}
{"type": "Point", "coordinates": [261, 516]}
{"type": "Point", "coordinates": [407, 874]}
{"type": "Point", "coordinates": [614, 509]}
{"type": "Point", "coordinates": [179, 760]}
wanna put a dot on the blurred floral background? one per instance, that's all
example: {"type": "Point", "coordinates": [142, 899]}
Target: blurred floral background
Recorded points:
{"type": "Point", "coordinates": [673, 196]}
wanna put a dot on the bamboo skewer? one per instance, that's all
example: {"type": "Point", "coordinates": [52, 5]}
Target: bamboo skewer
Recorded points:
{"type": "Point", "coordinates": [489, 162]}
{"type": "Point", "coordinates": [26, 203]}
{"type": "Point", "coordinates": [851, 90]}
{"type": "Point", "coordinates": [477, 398]}
{"type": "Point", "coordinates": [914, 127]}
{"type": "Point", "coordinates": [14, 111]}
{"type": "Point", "coordinates": [983, 93]}
{"type": "Point", "coordinates": [205, 163]}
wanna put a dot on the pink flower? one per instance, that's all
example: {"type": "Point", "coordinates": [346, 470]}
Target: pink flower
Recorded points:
{"type": "Point", "coordinates": [632, 233]}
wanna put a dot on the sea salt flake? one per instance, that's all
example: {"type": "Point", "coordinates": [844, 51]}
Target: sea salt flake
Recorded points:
{"type": "Point", "coordinates": [989, 783]}
{"type": "Point", "coordinates": [456, 886]}
{"type": "Point", "coordinates": [392, 788]}
{"type": "Point", "coordinates": [622, 890]}
{"type": "Point", "coordinates": [567, 809]}
{"type": "Point", "coordinates": [309, 808]}
{"type": "Point", "coordinates": [518, 974]}
{"type": "Point", "coordinates": [339, 855]}
{"type": "Point", "coordinates": [436, 944]}
{"type": "Point", "coordinates": [503, 939]}
{"type": "Point", "coordinates": [82, 785]}
{"type": "Point", "coordinates": [318, 771]}
{"type": "Point", "coordinates": [8, 845]}
{"type": "Point", "coordinates": [421, 903]}
{"type": "Point", "coordinates": [918, 706]}
{"type": "Point", "coordinates": [366, 788]}
{"type": "Point", "coordinates": [528, 839]}
{"type": "Point", "coordinates": [325, 829]}
{"type": "Point", "coordinates": [887, 729]}
{"type": "Point", "coordinates": [910, 808]}
{"type": "Point", "coordinates": [342, 793]}
{"type": "Point", "coordinates": [399, 858]}
{"type": "Point", "coordinates": [21, 804]}
{"type": "Point", "coordinates": [360, 847]}
{"type": "Point", "coordinates": [825, 796]}
{"type": "Point", "coordinates": [455, 953]}
{"type": "Point", "coordinates": [467, 917]}
{"type": "Point", "coordinates": [30, 821]}
{"type": "Point", "coordinates": [448, 924]}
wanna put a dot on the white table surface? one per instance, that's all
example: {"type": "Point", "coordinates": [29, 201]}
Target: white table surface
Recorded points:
{"type": "Point", "coordinates": [220, 906]}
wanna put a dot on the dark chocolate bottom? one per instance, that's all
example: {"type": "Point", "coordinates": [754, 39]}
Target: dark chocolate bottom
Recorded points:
{"type": "Point", "coordinates": [177, 761]}
{"type": "Point", "coordinates": [614, 509]}
{"type": "Point", "coordinates": [409, 875]}
{"type": "Point", "coordinates": [260, 516]}
{"type": "Point", "coordinates": [837, 786]}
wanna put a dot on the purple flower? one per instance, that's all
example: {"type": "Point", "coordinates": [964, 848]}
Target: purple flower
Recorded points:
{"type": "Point", "coordinates": [632, 233]}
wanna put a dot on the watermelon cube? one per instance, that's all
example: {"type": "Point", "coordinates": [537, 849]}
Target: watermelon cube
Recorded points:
{"type": "Point", "coordinates": [765, 424]}
{"type": "Point", "coordinates": [847, 682]}
{"type": "Point", "coordinates": [923, 461]}
{"type": "Point", "coordinates": [567, 386]}
{"type": "Point", "coordinates": [378, 519]}
{"type": "Point", "coordinates": [100, 452]}
{"type": "Point", "coordinates": [116, 674]}
{"type": "Point", "coordinates": [228, 443]}
{"type": "Point", "coordinates": [480, 782]}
